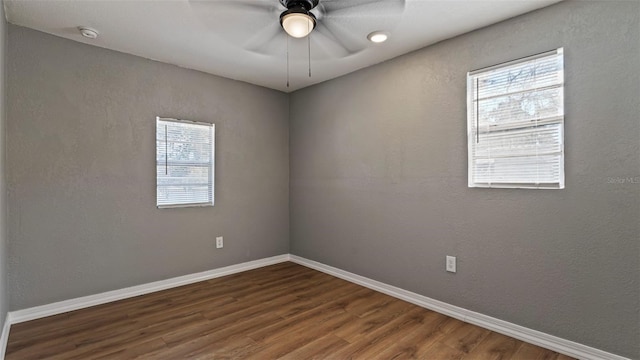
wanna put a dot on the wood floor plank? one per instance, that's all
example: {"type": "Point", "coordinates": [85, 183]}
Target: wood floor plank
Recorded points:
{"type": "Point", "coordinates": [235, 347]}
{"type": "Point", "coordinates": [301, 334]}
{"type": "Point", "coordinates": [417, 344]}
{"type": "Point", "coordinates": [132, 352]}
{"type": "Point", "coordinates": [100, 344]}
{"type": "Point", "coordinates": [532, 352]}
{"type": "Point", "coordinates": [466, 337]}
{"type": "Point", "coordinates": [290, 325]}
{"type": "Point", "coordinates": [442, 351]}
{"type": "Point", "coordinates": [215, 336]}
{"type": "Point", "coordinates": [284, 311]}
{"type": "Point", "coordinates": [370, 345]}
{"type": "Point", "coordinates": [365, 326]}
{"type": "Point", "coordinates": [240, 320]}
{"type": "Point", "coordinates": [563, 357]}
{"type": "Point", "coordinates": [495, 347]}
{"type": "Point", "coordinates": [321, 348]}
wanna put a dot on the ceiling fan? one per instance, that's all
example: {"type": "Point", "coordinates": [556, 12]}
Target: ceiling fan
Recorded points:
{"type": "Point", "coordinates": [333, 28]}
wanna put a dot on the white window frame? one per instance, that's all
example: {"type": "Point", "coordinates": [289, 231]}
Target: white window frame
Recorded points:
{"type": "Point", "coordinates": [538, 125]}
{"type": "Point", "coordinates": [160, 121]}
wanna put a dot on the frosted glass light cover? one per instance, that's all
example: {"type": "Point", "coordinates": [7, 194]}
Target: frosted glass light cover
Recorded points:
{"type": "Point", "coordinates": [297, 25]}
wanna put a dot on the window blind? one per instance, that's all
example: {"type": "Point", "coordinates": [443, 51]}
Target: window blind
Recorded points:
{"type": "Point", "coordinates": [184, 163]}
{"type": "Point", "coordinates": [515, 122]}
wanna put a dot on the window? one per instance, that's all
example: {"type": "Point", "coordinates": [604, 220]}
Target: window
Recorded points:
{"type": "Point", "coordinates": [515, 123]}
{"type": "Point", "coordinates": [184, 163]}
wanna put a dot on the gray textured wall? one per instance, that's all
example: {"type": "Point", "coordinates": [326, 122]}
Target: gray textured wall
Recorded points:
{"type": "Point", "coordinates": [379, 180]}
{"type": "Point", "coordinates": [81, 170]}
{"type": "Point", "coordinates": [3, 229]}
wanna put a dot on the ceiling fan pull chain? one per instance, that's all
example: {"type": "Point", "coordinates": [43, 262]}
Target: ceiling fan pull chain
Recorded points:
{"type": "Point", "coordinates": [309, 48]}
{"type": "Point", "coordinates": [287, 61]}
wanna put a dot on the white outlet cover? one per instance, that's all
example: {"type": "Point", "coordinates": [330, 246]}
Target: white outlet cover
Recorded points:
{"type": "Point", "coordinates": [219, 242]}
{"type": "Point", "coordinates": [451, 264]}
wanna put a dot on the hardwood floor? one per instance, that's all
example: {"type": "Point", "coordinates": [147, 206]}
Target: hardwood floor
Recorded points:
{"type": "Point", "coordinates": [284, 311]}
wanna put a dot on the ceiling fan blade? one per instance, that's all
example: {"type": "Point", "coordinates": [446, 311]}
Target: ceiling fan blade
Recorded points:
{"type": "Point", "coordinates": [343, 33]}
{"type": "Point", "coordinates": [328, 39]}
{"type": "Point", "coordinates": [350, 22]}
{"type": "Point", "coordinates": [267, 41]}
{"type": "Point", "coordinates": [221, 17]}
{"type": "Point", "coordinates": [362, 8]}
{"type": "Point", "coordinates": [328, 44]}
{"type": "Point", "coordinates": [234, 5]}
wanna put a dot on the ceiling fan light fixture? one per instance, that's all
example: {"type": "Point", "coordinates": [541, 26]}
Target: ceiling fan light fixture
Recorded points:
{"type": "Point", "coordinates": [298, 22]}
{"type": "Point", "coordinates": [378, 37]}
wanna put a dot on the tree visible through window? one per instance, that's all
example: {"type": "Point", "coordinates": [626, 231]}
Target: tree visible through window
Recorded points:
{"type": "Point", "coordinates": [515, 121]}
{"type": "Point", "coordinates": [184, 163]}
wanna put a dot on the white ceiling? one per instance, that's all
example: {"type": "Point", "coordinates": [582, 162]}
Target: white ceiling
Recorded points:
{"type": "Point", "coordinates": [241, 39]}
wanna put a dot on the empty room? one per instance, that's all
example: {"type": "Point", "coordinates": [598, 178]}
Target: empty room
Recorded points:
{"type": "Point", "coordinates": [320, 179]}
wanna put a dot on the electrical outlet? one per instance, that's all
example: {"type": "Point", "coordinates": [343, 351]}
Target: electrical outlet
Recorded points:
{"type": "Point", "coordinates": [219, 242]}
{"type": "Point", "coordinates": [451, 263]}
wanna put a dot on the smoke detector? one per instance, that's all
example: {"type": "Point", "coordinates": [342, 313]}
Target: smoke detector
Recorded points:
{"type": "Point", "coordinates": [88, 32]}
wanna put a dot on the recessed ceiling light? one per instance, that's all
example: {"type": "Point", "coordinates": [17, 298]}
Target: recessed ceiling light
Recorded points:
{"type": "Point", "coordinates": [378, 36]}
{"type": "Point", "coordinates": [88, 32]}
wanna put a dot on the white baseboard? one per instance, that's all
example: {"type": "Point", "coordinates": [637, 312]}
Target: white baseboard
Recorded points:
{"type": "Point", "coordinates": [4, 337]}
{"type": "Point", "coordinates": [550, 342]}
{"type": "Point", "coordinates": [60, 307]}
{"type": "Point", "coordinates": [541, 339]}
